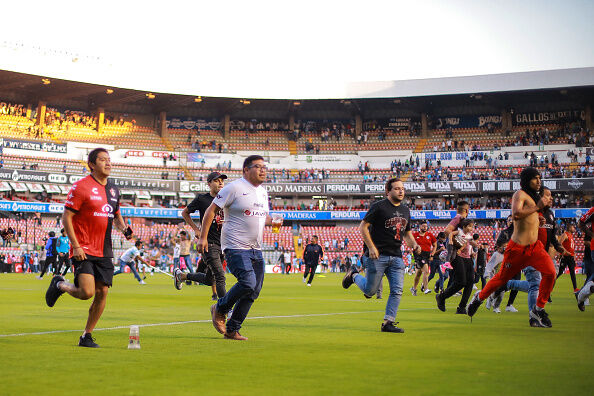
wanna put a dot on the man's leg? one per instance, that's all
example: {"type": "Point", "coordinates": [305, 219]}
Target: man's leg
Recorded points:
{"type": "Point", "coordinates": [514, 293]}
{"type": "Point", "coordinates": [418, 273]}
{"type": "Point", "coordinates": [425, 275]}
{"type": "Point", "coordinates": [374, 272]}
{"type": "Point", "coordinates": [133, 270]}
{"type": "Point", "coordinates": [312, 272]}
{"type": "Point", "coordinates": [121, 269]}
{"type": "Point", "coordinates": [469, 278]}
{"type": "Point", "coordinates": [395, 274]}
{"type": "Point", "coordinates": [458, 279]}
{"type": "Point", "coordinates": [542, 262]}
{"type": "Point", "coordinates": [97, 306]}
{"type": "Point", "coordinates": [306, 272]}
{"type": "Point", "coordinates": [571, 267]}
{"type": "Point", "coordinates": [254, 280]}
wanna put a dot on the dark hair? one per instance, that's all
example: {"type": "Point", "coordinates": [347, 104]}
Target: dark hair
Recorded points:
{"type": "Point", "coordinates": [461, 204]}
{"type": "Point", "coordinates": [390, 182]}
{"type": "Point", "coordinates": [138, 243]}
{"type": "Point", "coordinates": [52, 234]}
{"type": "Point", "coordinates": [182, 232]}
{"type": "Point", "coordinates": [315, 236]}
{"type": "Point", "coordinates": [441, 234]}
{"type": "Point", "coordinates": [476, 237]}
{"type": "Point", "coordinates": [423, 222]}
{"type": "Point", "coordinates": [466, 223]}
{"type": "Point", "coordinates": [248, 161]}
{"type": "Point", "coordinates": [62, 230]}
{"type": "Point", "coordinates": [92, 158]}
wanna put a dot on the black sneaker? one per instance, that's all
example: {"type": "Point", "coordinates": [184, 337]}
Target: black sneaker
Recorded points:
{"type": "Point", "coordinates": [177, 281]}
{"type": "Point", "coordinates": [440, 302]}
{"type": "Point", "coordinates": [581, 305]}
{"type": "Point", "coordinates": [347, 281]}
{"type": "Point", "coordinates": [474, 305]}
{"type": "Point", "coordinates": [436, 290]}
{"type": "Point", "coordinates": [53, 293]}
{"type": "Point", "coordinates": [366, 296]}
{"type": "Point", "coordinates": [87, 341]}
{"type": "Point", "coordinates": [541, 316]}
{"type": "Point", "coordinates": [390, 328]}
{"type": "Point", "coordinates": [461, 311]}
{"type": "Point", "coordinates": [535, 323]}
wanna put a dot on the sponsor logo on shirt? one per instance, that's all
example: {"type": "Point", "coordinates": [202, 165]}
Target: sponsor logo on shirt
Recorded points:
{"type": "Point", "coordinates": [106, 211]}
{"type": "Point", "coordinates": [95, 191]}
{"type": "Point", "coordinates": [95, 198]}
{"type": "Point", "coordinates": [254, 213]}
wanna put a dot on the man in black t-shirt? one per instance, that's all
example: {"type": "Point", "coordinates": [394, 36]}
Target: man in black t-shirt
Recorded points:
{"type": "Point", "coordinates": [214, 256]}
{"type": "Point", "coordinates": [384, 227]}
{"type": "Point", "coordinates": [311, 257]}
{"type": "Point", "coordinates": [481, 263]}
{"type": "Point", "coordinates": [436, 261]}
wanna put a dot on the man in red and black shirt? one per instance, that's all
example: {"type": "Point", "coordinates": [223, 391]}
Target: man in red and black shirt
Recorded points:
{"type": "Point", "coordinates": [91, 208]}
{"type": "Point", "coordinates": [568, 257]}
{"type": "Point", "coordinates": [428, 244]}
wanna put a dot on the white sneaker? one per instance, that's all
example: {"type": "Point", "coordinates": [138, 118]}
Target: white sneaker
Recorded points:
{"type": "Point", "coordinates": [303, 280]}
{"type": "Point", "coordinates": [510, 308]}
{"type": "Point", "coordinates": [474, 287]}
{"type": "Point", "coordinates": [587, 301]}
{"type": "Point", "coordinates": [309, 285]}
{"type": "Point", "coordinates": [142, 282]}
{"type": "Point", "coordinates": [413, 291]}
{"type": "Point", "coordinates": [427, 291]}
{"type": "Point", "coordinates": [496, 310]}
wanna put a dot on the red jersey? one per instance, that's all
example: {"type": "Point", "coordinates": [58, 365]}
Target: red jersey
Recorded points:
{"type": "Point", "coordinates": [425, 241]}
{"type": "Point", "coordinates": [542, 231]}
{"type": "Point", "coordinates": [94, 206]}
{"type": "Point", "coordinates": [569, 245]}
{"type": "Point", "coordinates": [589, 218]}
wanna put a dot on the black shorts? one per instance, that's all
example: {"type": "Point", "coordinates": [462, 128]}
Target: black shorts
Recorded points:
{"type": "Point", "coordinates": [100, 267]}
{"type": "Point", "coordinates": [422, 259]}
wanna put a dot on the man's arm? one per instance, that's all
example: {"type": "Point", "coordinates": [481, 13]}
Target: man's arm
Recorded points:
{"type": "Point", "coordinates": [364, 230]}
{"type": "Point", "coordinates": [77, 251]}
{"type": "Point", "coordinates": [209, 216]}
{"type": "Point", "coordinates": [411, 243]}
{"type": "Point", "coordinates": [189, 221]}
{"type": "Point", "coordinates": [520, 209]}
{"type": "Point", "coordinates": [433, 249]}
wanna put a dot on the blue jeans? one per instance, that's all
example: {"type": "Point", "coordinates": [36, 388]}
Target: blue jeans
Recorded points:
{"type": "Point", "coordinates": [436, 267]}
{"type": "Point", "coordinates": [176, 262]}
{"type": "Point", "coordinates": [132, 268]}
{"type": "Point", "coordinates": [530, 285]}
{"type": "Point", "coordinates": [393, 267]}
{"type": "Point", "coordinates": [248, 267]}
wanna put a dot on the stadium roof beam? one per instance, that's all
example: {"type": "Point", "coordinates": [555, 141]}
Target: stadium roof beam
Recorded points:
{"type": "Point", "coordinates": [72, 93]}
{"type": "Point", "coordinates": [20, 82]}
{"type": "Point", "coordinates": [132, 96]}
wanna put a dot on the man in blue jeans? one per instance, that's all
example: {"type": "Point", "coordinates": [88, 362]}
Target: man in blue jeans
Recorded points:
{"type": "Point", "coordinates": [245, 206]}
{"type": "Point", "coordinates": [384, 227]}
{"type": "Point", "coordinates": [129, 257]}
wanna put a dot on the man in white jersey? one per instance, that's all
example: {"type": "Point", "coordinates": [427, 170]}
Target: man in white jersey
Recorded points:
{"type": "Point", "coordinates": [245, 205]}
{"type": "Point", "coordinates": [129, 257]}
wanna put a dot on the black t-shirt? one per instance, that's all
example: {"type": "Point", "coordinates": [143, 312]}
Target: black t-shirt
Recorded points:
{"type": "Point", "coordinates": [388, 224]}
{"type": "Point", "coordinates": [481, 257]}
{"type": "Point", "coordinates": [200, 204]}
{"type": "Point", "coordinates": [440, 245]}
{"type": "Point", "coordinates": [312, 254]}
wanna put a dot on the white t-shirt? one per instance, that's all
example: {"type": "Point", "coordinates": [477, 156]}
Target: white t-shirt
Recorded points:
{"type": "Point", "coordinates": [176, 251]}
{"type": "Point", "coordinates": [129, 255]}
{"type": "Point", "coordinates": [245, 207]}
{"type": "Point", "coordinates": [287, 257]}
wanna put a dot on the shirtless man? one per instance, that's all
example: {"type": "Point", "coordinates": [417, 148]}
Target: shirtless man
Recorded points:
{"type": "Point", "coordinates": [524, 249]}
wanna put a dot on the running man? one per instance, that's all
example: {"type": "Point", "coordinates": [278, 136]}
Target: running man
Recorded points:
{"type": "Point", "coordinates": [428, 243]}
{"type": "Point", "coordinates": [91, 208]}
{"type": "Point", "coordinates": [436, 262]}
{"type": "Point", "coordinates": [129, 258]}
{"type": "Point", "coordinates": [51, 255]}
{"type": "Point", "coordinates": [524, 249]}
{"type": "Point", "coordinates": [568, 257]}
{"type": "Point", "coordinates": [63, 250]}
{"type": "Point", "coordinates": [311, 256]}
{"type": "Point", "coordinates": [213, 256]}
{"type": "Point", "coordinates": [384, 227]}
{"type": "Point", "coordinates": [245, 205]}
{"type": "Point", "coordinates": [588, 231]}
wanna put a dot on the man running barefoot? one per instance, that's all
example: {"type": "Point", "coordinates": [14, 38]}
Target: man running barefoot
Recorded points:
{"type": "Point", "coordinates": [91, 207]}
{"type": "Point", "coordinates": [524, 249]}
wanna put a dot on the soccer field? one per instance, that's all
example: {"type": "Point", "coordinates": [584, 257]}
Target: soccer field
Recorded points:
{"type": "Point", "coordinates": [302, 340]}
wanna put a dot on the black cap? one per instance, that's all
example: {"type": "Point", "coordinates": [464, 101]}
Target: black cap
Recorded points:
{"type": "Point", "coordinates": [215, 175]}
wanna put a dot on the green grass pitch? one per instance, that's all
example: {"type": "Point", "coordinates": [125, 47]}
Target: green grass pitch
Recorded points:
{"type": "Point", "coordinates": [316, 340]}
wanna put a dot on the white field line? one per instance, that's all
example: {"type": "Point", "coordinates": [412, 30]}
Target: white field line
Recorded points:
{"type": "Point", "coordinates": [199, 321]}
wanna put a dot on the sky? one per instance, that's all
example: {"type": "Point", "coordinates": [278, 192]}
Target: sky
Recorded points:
{"type": "Point", "coordinates": [278, 49]}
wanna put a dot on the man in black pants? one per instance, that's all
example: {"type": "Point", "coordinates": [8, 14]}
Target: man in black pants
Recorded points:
{"type": "Point", "coordinates": [311, 256]}
{"type": "Point", "coordinates": [568, 258]}
{"type": "Point", "coordinates": [481, 262]}
{"type": "Point", "coordinates": [463, 243]}
{"type": "Point", "coordinates": [51, 254]}
{"type": "Point", "coordinates": [213, 257]}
